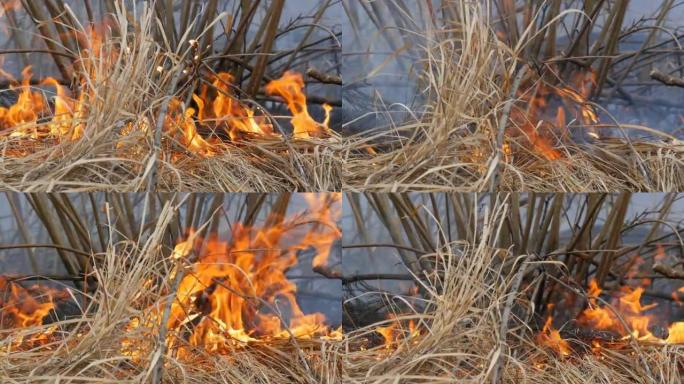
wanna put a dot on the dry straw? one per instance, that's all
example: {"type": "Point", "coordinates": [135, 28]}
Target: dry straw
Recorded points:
{"type": "Point", "coordinates": [472, 82]}
{"type": "Point", "coordinates": [480, 305]}
{"type": "Point", "coordinates": [154, 60]}
{"type": "Point", "coordinates": [129, 271]}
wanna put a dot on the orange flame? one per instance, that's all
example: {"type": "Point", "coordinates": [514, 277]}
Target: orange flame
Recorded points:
{"type": "Point", "coordinates": [28, 307]}
{"type": "Point", "coordinates": [23, 115]}
{"type": "Point", "coordinates": [218, 108]}
{"type": "Point", "coordinates": [626, 317]}
{"type": "Point", "coordinates": [229, 292]}
{"type": "Point", "coordinates": [539, 133]}
{"type": "Point", "coordinates": [628, 307]}
{"type": "Point", "coordinates": [398, 330]}
{"type": "Point", "coordinates": [232, 292]}
{"type": "Point", "coordinates": [388, 334]}
{"type": "Point", "coordinates": [551, 338]}
{"type": "Point", "coordinates": [19, 308]}
{"type": "Point", "coordinates": [177, 119]}
{"type": "Point", "coordinates": [290, 87]}
{"type": "Point", "coordinates": [65, 122]}
{"type": "Point", "coordinates": [226, 111]}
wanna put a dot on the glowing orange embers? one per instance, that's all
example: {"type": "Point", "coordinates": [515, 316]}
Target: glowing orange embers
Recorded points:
{"type": "Point", "coordinates": [235, 292]}
{"type": "Point", "coordinates": [545, 113]}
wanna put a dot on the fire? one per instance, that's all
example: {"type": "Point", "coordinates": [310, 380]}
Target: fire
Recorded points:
{"type": "Point", "coordinates": [233, 291]}
{"type": "Point", "coordinates": [540, 129]}
{"type": "Point", "coordinates": [20, 308]}
{"type": "Point", "coordinates": [177, 119]}
{"type": "Point", "coordinates": [68, 112]}
{"type": "Point", "coordinates": [626, 317]}
{"type": "Point", "coordinates": [387, 333]}
{"type": "Point", "coordinates": [23, 115]}
{"type": "Point", "coordinates": [675, 333]}
{"type": "Point", "coordinates": [396, 331]}
{"type": "Point", "coordinates": [226, 111]}
{"type": "Point", "coordinates": [27, 307]}
{"type": "Point", "coordinates": [229, 292]}
{"type": "Point", "coordinates": [551, 337]}
{"type": "Point", "coordinates": [217, 108]}
{"type": "Point", "coordinates": [329, 212]}
{"type": "Point", "coordinates": [215, 113]}
{"type": "Point", "coordinates": [627, 306]}
{"type": "Point", "coordinates": [289, 87]}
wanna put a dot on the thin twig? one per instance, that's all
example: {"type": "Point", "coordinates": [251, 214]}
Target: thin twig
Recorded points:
{"type": "Point", "coordinates": [667, 79]}
{"type": "Point", "coordinates": [323, 77]}
{"type": "Point", "coordinates": [152, 181]}
{"type": "Point", "coordinates": [668, 271]}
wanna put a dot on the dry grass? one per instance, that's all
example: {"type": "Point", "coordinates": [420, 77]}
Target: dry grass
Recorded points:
{"type": "Point", "coordinates": [477, 327]}
{"type": "Point", "coordinates": [432, 152]}
{"type": "Point", "coordinates": [464, 140]}
{"type": "Point", "coordinates": [605, 166]}
{"type": "Point", "coordinates": [277, 165]}
{"type": "Point", "coordinates": [102, 159]}
{"type": "Point", "coordinates": [123, 147]}
{"type": "Point", "coordinates": [133, 279]}
{"type": "Point", "coordinates": [95, 164]}
{"type": "Point", "coordinates": [457, 143]}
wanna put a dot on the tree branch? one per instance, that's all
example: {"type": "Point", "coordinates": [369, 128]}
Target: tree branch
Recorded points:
{"type": "Point", "coordinates": [667, 79]}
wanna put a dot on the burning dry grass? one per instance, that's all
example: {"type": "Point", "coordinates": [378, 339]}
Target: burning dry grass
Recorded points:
{"type": "Point", "coordinates": [140, 115]}
{"type": "Point", "coordinates": [93, 164]}
{"type": "Point", "coordinates": [275, 165]}
{"type": "Point", "coordinates": [199, 291]}
{"type": "Point", "coordinates": [488, 125]}
{"type": "Point", "coordinates": [606, 166]}
{"type": "Point", "coordinates": [478, 327]}
{"type": "Point", "coordinates": [102, 346]}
